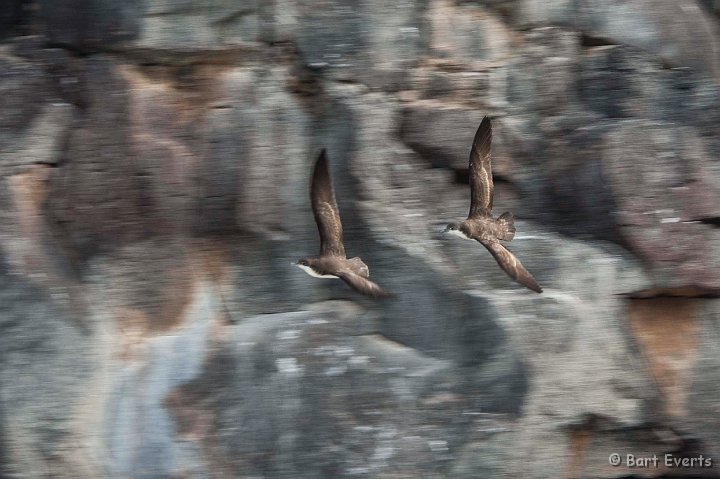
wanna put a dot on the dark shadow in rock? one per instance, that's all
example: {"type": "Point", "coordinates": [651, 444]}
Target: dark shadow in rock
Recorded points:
{"type": "Point", "coordinates": [89, 25]}
{"type": "Point", "coordinates": [14, 17]}
{"type": "Point", "coordinates": [572, 193]}
{"type": "Point", "coordinates": [220, 176]}
{"type": "Point", "coordinates": [617, 81]}
{"type": "Point", "coordinates": [498, 386]}
{"type": "Point", "coordinates": [589, 41]}
{"type": "Point", "coordinates": [578, 203]}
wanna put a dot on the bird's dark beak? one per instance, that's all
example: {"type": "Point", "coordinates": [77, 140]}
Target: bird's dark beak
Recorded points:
{"type": "Point", "coordinates": [440, 234]}
{"type": "Point", "coordinates": [439, 225]}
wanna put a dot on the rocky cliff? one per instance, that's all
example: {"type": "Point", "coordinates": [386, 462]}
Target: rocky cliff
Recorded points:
{"type": "Point", "coordinates": [154, 168]}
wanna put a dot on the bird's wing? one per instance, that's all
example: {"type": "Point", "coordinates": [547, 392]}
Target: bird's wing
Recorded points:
{"type": "Point", "coordinates": [363, 285]}
{"type": "Point", "coordinates": [511, 265]}
{"type": "Point", "coordinates": [327, 215]}
{"type": "Point", "coordinates": [481, 180]}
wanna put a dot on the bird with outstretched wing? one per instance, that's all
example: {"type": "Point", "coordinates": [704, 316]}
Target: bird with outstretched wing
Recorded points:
{"type": "Point", "coordinates": [480, 225]}
{"type": "Point", "coordinates": [332, 261]}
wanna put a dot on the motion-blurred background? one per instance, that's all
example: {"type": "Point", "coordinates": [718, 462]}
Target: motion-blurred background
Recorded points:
{"type": "Point", "coordinates": [154, 169]}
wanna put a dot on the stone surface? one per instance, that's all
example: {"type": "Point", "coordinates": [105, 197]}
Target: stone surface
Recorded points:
{"type": "Point", "coordinates": [155, 161]}
{"type": "Point", "coordinates": [88, 24]}
{"type": "Point", "coordinates": [13, 16]}
{"type": "Point", "coordinates": [440, 133]}
{"type": "Point", "coordinates": [279, 363]}
{"type": "Point", "coordinates": [679, 32]}
{"type": "Point", "coordinates": [25, 94]}
{"type": "Point", "coordinates": [712, 5]}
{"type": "Point", "coordinates": [99, 155]}
{"type": "Point", "coordinates": [466, 33]}
{"type": "Point", "coordinates": [193, 24]}
{"type": "Point", "coordinates": [668, 220]}
{"type": "Point", "coordinates": [47, 388]}
{"type": "Point", "coordinates": [703, 380]}
{"type": "Point", "coordinates": [350, 39]}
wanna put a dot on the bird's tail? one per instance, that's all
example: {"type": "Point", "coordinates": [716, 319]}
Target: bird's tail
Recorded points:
{"type": "Point", "coordinates": [507, 225]}
{"type": "Point", "coordinates": [360, 267]}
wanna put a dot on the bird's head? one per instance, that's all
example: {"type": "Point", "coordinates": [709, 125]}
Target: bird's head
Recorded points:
{"type": "Point", "coordinates": [302, 262]}
{"type": "Point", "coordinates": [451, 227]}
{"type": "Point", "coordinates": [456, 229]}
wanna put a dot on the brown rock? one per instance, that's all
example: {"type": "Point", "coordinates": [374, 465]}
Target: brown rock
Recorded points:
{"type": "Point", "coordinates": [95, 191]}
{"type": "Point", "coordinates": [667, 331]}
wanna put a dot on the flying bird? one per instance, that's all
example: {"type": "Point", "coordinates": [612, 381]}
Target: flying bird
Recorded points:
{"type": "Point", "coordinates": [332, 262]}
{"type": "Point", "coordinates": [480, 225]}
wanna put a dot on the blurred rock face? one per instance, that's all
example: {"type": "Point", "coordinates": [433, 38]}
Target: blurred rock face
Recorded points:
{"type": "Point", "coordinates": [154, 168]}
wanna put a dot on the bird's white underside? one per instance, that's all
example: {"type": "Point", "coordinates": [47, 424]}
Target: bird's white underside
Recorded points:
{"type": "Point", "coordinates": [312, 272]}
{"type": "Point", "coordinates": [460, 234]}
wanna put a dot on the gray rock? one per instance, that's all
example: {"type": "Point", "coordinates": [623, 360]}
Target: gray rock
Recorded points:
{"type": "Point", "coordinates": [25, 90]}
{"type": "Point", "coordinates": [221, 176]}
{"type": "Point", "coordinates": [490, 457]}
{"type": "Point", "coordinates": [700, 400]}
{"type": "Point", "coordinates": [42, 142]}
{"type": "Point", "coordinates": [386, 407]}
{"type": "Point", "coordinates": [439, 133]}
{"type": "Point", "coordinates": [620, 82]}
{"type": "Point", "coordinates": [279, 21]}
{"type": "Point", "coordinates": [680, 33]}
{"type": "Point", "coordinates": [600, 354]}
{"type": "Point", "coordinates": [462, 86]}
{"type": "Point", "coordinates": [466, 33]}
{"type": "Point", "coordinates": [567, 185]}
{"type": "Point", "coordinates": [35, 122]}
{"type": "Point", "coordinates": [157, 194]}
{"type": "Point", "coordinates": [350, 40]}
{"type": "Point", "coordinates": [198, 24]}
{"type": "Point", "coordinates": [89, 24]}
{"type": "Point", "coordinates": [667, 212]}
{"type": "Point", "coordinates": [141, 435]}
{"type": "Point", "coordinates": [46, 379]}
{"type": "Point", "coordinates": [268, 126]}
{"type": "Point", "coordinates": [542, 79]}
{"type": "Point", "coordinates": [690, 100]}
{"type": "Point", "coordinates": [96, 191]}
